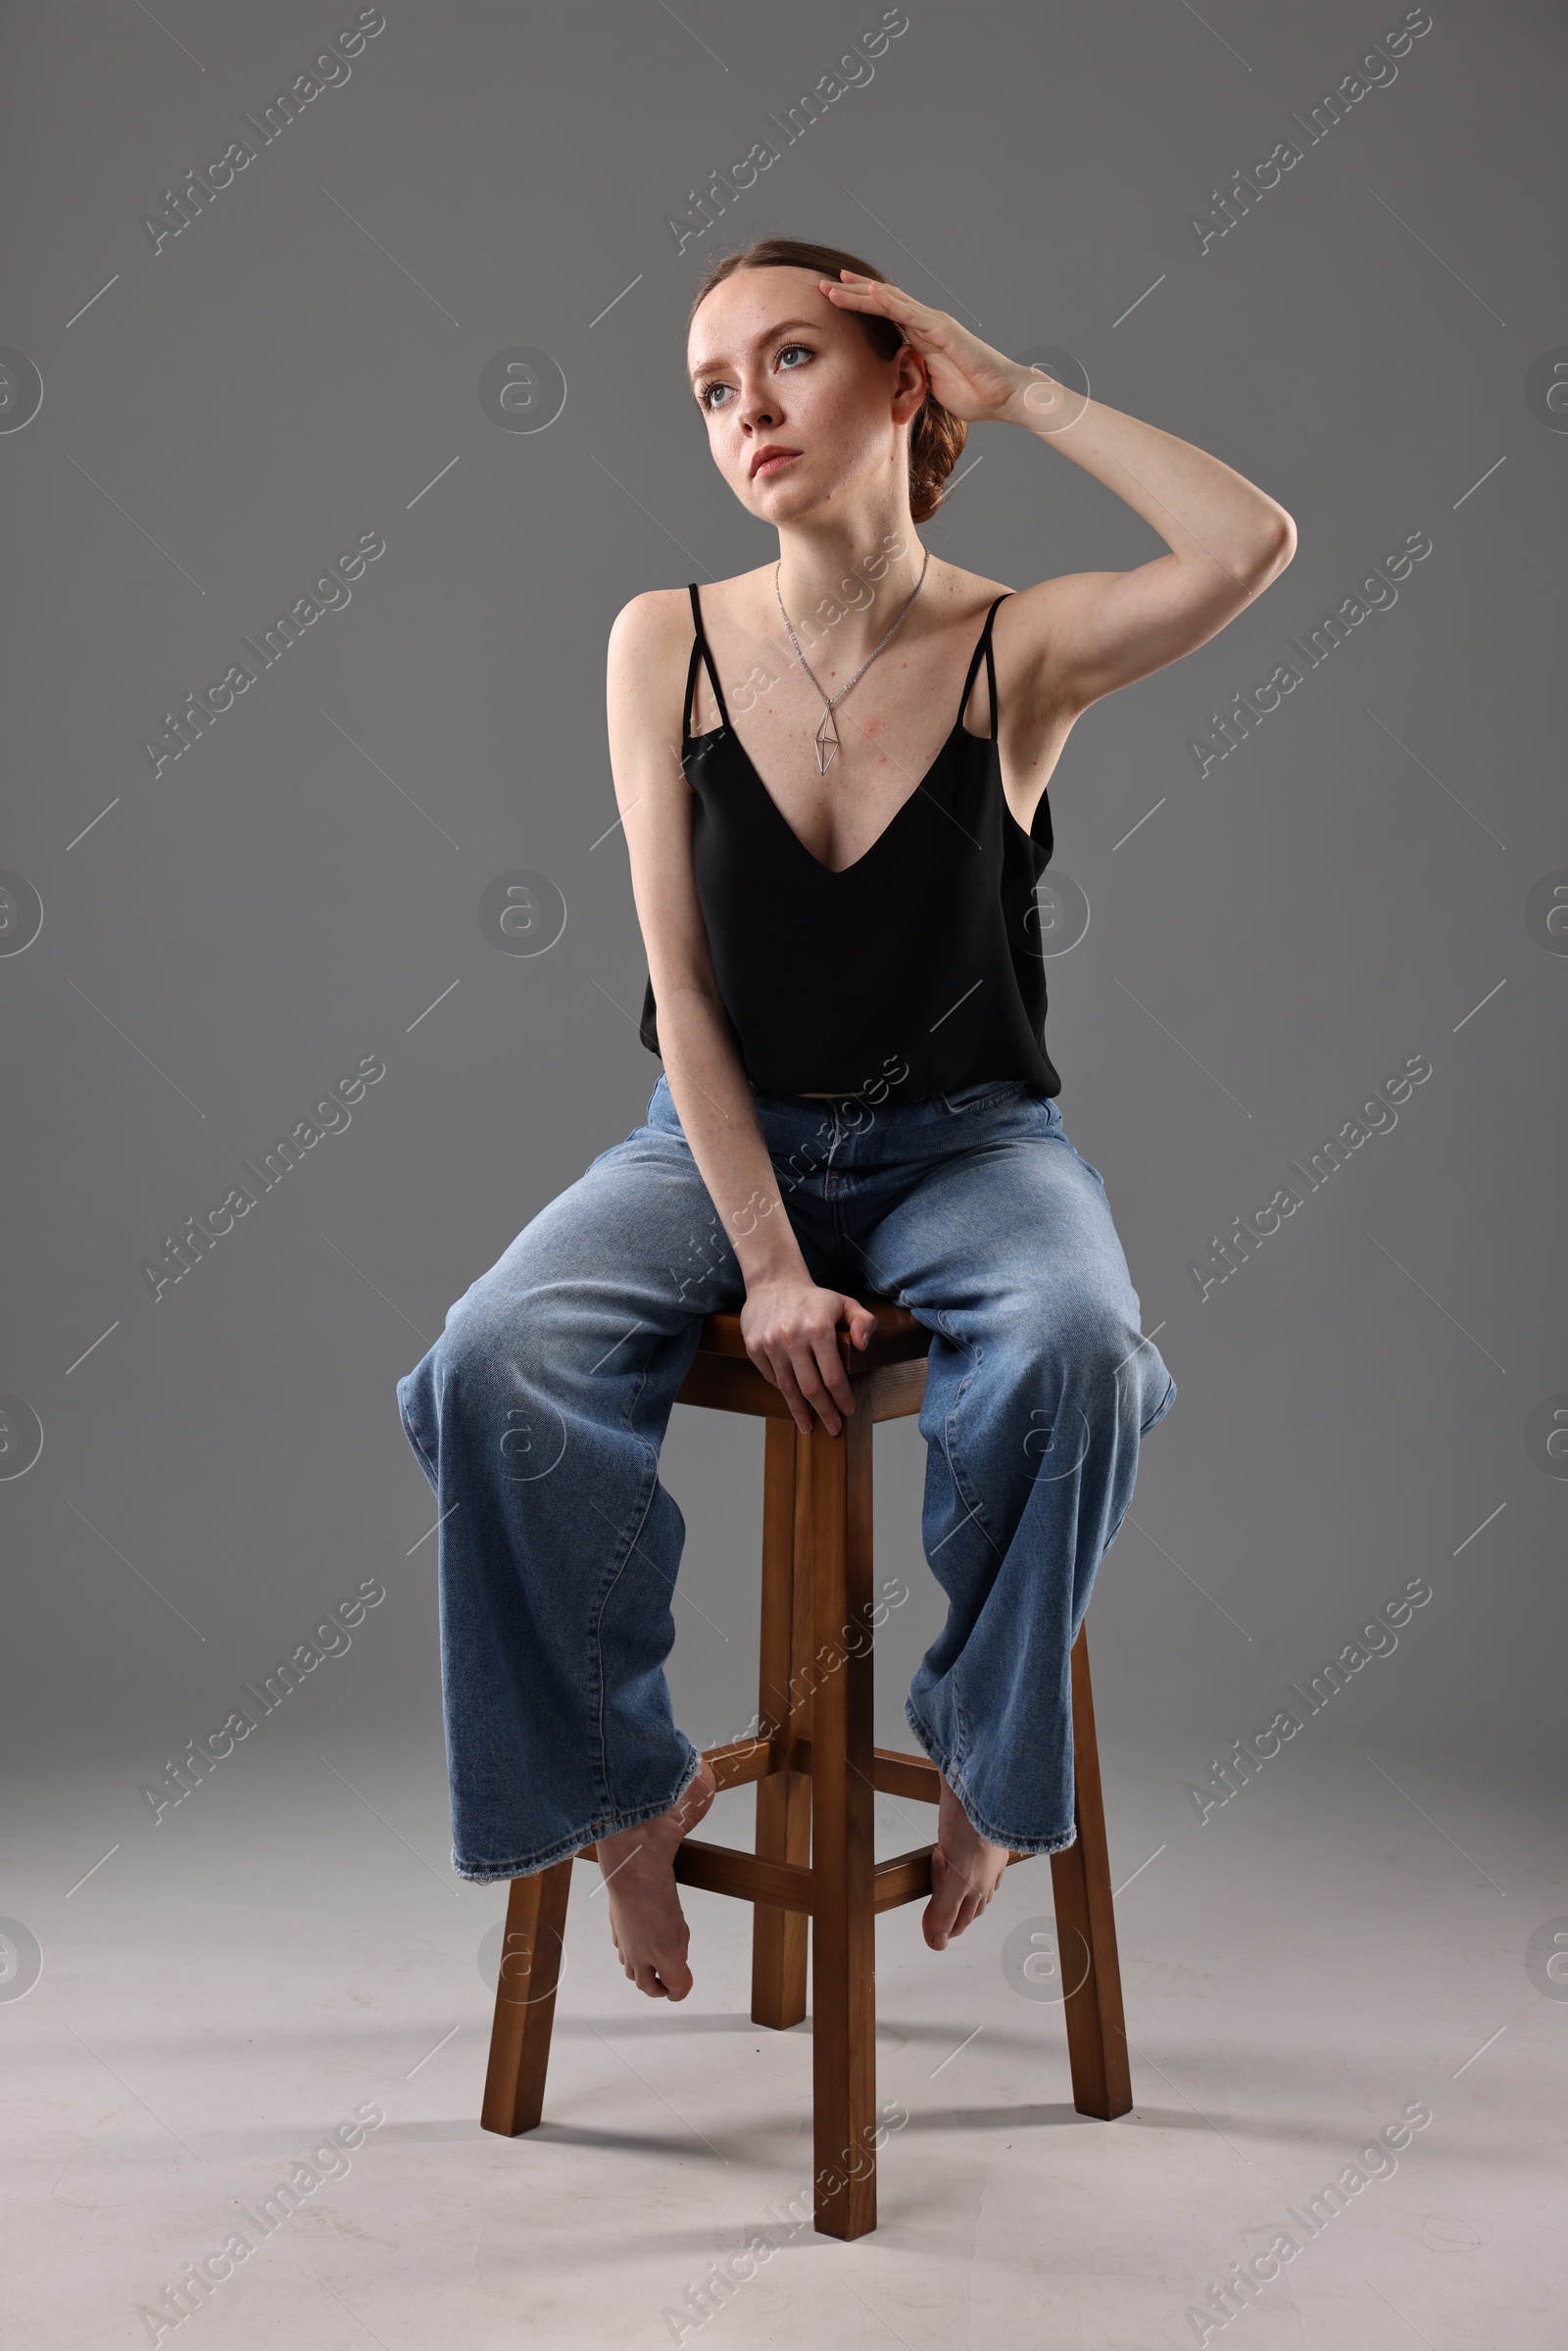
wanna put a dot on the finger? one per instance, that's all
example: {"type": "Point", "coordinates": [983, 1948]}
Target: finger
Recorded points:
{"type": "Point", "coordinates": [825, 1360]}
{"type": "Point", "coordinates": [861, 1322]}
{"type": "Point", "coordinates": [899, 308]}
{"type": "Point", "coordinates": [765, 1363]}
{"type": "Point", "coordinates": [770, 1370]}
{"type": "Point", "coordinates": [868, 289]}
{"type": "Point", "coordinates": [890, 296]}
{"type": "Point", "coordinates": [807, 1374]}
{"type": "Point", "coordinates": [861, 283]}
{"type": "Point", "coordinates": [783, 1378]}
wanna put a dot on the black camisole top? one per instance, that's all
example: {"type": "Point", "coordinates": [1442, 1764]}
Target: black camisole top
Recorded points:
{"type": "Point", "coordinates": [914, 971]}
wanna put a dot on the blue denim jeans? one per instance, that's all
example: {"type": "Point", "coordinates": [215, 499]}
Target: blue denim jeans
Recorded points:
{"type": "Point", "coordinates": [538, 1415]}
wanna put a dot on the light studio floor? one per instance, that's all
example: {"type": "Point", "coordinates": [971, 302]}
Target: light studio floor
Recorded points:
{"type": "Point", "coordinates": [1330, 1954]}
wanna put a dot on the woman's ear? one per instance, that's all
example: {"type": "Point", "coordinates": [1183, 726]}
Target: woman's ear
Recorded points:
{"type": "Point", "coordinates": [911, 384]}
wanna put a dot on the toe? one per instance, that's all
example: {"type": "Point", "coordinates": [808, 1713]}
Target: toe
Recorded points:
{"type": "Point", "coordinates": [947, 1895]}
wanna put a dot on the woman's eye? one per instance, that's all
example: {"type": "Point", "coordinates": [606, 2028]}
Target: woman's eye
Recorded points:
{"type": "Point", "coordinates": [704, 397]}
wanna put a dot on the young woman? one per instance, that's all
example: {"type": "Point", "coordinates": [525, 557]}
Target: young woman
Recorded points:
{"type": "Point", "coordinates": [836, 882]}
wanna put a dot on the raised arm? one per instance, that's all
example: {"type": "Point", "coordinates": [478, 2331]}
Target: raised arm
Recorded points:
{"type": "Point", "coordinates": [789, 1324]}
{"type": "Point", "coordinates": [1228, 540]}
{"type": "Point", "coordinates": [1076, 637]}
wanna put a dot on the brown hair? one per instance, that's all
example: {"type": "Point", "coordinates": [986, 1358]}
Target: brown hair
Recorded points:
{"type": "Point", "coordinates": [936, 436]}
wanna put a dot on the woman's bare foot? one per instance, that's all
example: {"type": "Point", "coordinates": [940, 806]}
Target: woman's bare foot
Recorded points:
{"type": "Point", "coordinates": [965, 1870]}
{"type": "Point", "coordinates": [651, 1933]}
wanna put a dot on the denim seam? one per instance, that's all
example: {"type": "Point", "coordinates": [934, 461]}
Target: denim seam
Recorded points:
{"type": "Point", "coordinates": [1159, 1409]}
{"type": "Point", "coordinates": [965, 1744]}
{"type": "Point", "coordinates": [412, 1438]}
{"type": "Point", "coordinates": [596, 1655]}
{"type": "Point", "coordinates": [601, 1600]}
{"type": "Point", "coordinates": [984, 1101]}
{"type": "Point", "coordinates": [966, 1491]}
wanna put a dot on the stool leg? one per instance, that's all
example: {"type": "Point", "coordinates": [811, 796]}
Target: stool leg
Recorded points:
{"type": "Point", "coordinates": [842, 1826]}
{"type": "Point", "coordinates": [784, 1799]}
{"type": "Point", "coordinates": [1080, 1880]}
{"type": "Point", "coordinates": [525, 2000]}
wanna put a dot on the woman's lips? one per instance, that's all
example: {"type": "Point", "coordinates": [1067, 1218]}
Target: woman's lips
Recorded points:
{"type": "Point", "coordinates": [771, 464]}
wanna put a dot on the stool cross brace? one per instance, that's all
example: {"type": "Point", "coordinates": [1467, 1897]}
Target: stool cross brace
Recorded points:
{"type": "Point", "coordinates": [816, 1771]}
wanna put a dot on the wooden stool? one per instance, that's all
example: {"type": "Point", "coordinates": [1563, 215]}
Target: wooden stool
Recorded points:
{"type": "Point", "coordinates": [816, 1774]}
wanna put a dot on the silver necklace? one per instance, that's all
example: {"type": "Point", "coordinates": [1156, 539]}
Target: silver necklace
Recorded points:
{"type": "Point", "coordinates": [826, 739]}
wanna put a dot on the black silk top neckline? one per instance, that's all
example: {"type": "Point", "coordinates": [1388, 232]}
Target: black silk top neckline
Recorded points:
{"type": "Point", "coordinates": [914, 971]}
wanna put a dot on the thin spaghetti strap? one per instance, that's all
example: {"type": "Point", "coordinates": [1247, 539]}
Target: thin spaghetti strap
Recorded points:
{"type": "Point", "coordinates": [983, 646]}
{"type": "Point", "coordinates": [686, 707]}
{"type": "Point", "coordinates": [700, 651]}
{"type": "Point", "coordinates": [991, 666]}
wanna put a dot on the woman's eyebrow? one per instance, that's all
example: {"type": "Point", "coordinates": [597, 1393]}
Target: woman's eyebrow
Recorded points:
{"type": "Point", "coordinates": [769, 335]}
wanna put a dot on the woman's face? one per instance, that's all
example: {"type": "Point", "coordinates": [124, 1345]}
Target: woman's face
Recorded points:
{"type": "Point", "coordinates": [774, 366]}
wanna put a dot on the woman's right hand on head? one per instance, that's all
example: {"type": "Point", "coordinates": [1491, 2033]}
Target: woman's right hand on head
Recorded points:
{"type": "Point", "coordinates": [791, 1332]}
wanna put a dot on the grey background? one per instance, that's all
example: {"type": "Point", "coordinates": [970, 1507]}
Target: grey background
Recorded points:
{"type": "Point", "coordinates": [1371, 1923]}
{"type": "Point", "coordinates": [1343, 892]}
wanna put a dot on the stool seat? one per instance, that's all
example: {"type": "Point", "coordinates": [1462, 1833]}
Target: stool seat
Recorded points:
{"type": "Point", "coordinates": [816, 1771]}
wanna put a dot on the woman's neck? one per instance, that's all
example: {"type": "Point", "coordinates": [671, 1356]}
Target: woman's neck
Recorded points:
{"type": "Point", "coordinates": [844, 592]}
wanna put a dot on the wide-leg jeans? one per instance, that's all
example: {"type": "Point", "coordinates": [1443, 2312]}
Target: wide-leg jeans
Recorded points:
{"type": "Point", "coordinates": [539, 1413]}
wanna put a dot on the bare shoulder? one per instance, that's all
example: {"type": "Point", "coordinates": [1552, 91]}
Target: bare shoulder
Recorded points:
{"type": "Point", "coordinates": [644, 667]}
{"type": "Point", "coordinates": [650, 643]}
{"type": "Point", "coordinates": [957, 591]}
{"type": "Point", "coordinates": [649, 625]}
